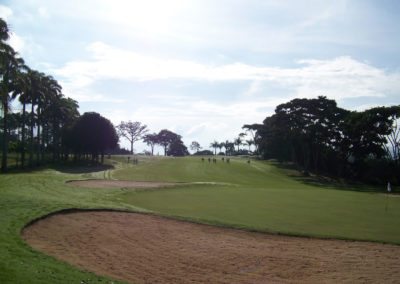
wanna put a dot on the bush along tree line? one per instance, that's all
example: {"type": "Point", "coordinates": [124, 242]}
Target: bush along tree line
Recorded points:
{"type": "Point", "coordinates": [320, 137]}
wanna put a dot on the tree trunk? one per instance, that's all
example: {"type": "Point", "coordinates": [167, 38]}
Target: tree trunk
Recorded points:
{"type": "Point", "coordinates": [131, 147]}
{"type": "Point", "coordinates": [44, 141]}
{"type": "Point", "coordinates": [38, 140]}
{"type": "Point", "coordinates": [5, 139]}
{"type": "Point", "coordinates": [32, 141]}
{"type": "Point", "coordinates": [23, 136]}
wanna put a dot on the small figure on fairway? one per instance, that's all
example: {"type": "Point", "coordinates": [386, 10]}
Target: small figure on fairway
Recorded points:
{"type": "Point", "coordinates": [202, 159]}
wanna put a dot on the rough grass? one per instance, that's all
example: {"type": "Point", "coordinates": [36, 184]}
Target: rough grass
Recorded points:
{"type": "Point", "coordinates": [26, 196]}
{"type": "Point", "coordinates": [257, 196]}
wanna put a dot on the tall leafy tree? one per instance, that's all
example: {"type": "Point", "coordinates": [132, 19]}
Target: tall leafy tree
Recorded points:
{"type": "Point", "coordinates": [195, 146]}
{"type": "Point", "coordinates": [214, 145]}
{"type": "Point", "coordinates": [390, 120]}
{"type": "Point", "coordinates": [92, 134]}
{"type": "Point", "coordinates": [249, 142]}
{"type": "Point", "coordinates": [10, 65]}
{"type": "Point", "coordinates": [165, 138]}
{"type": "Point", "coordinates": [238, 142]}
{"type": "Point", "coordinates": [4, 31]}
{"type": "Point", "coordinates": [50, 106]}
{"type": "Point", "coordinates": [35, 96]}
{"type": "Point", "coordinates": [177, 148]}
{"type": "Point", "coordinates": [132, 131]}
{"type": "Point", "coordinates": [229, 147]}
{"type": "Point", "coordinates": [253, 131]}
{"type": "Point", "coordinates": [22, 87]}
{"type": "Point", "coordinates": [151, 139]}
{"type": "Point", "coordinates": [61, 112]}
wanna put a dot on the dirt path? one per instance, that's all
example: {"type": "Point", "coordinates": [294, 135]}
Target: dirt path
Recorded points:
{"type": "Point", "coordinates": [142, 248]}
{"type": "Point", "coordinates": [105, 183]}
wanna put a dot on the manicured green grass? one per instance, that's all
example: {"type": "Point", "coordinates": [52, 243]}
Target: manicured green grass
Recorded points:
{"type": "Point", "coordinates": [256, 196]}
{"type": "Point", "coordinates": [263, 197]}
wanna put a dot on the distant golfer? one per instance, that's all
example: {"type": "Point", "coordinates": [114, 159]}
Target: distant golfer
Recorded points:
{"type": "Point", "coordinates": [389, 188]}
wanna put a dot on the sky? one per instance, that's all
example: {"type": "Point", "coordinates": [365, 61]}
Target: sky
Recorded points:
{"type": "Point", "coordinates": [204, 68]}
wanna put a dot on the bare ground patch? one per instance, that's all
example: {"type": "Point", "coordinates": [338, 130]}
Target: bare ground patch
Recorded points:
{"type": "Point", "coordinates": [105, 183]}
{"type": "Point", "coordinates": [142, 248]}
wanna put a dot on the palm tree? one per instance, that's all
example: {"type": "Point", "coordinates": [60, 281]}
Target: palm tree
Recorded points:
{"type": "Point", "coordinates": [10, 64]}
{"type": "Point", "coordinates": [36, 97]}
{"type": "Point", "coordinates": [214, 145]}
{"type": "Point", "coordinates": [229, 147]}
{"type": "Point", "coordinates": [59, 112]}
{"type": "Point", "coordinates": [222, 145]}
{"type": "Point", "coordinates": [249, 143]}
{"type": "Point", "coordinates": [50, 106]}
{"type": "Point", "coordinates": [22, 85]}
{"type": "Point", "coordinates": [238, 142]}
{"type": "Point", "coordinates": [33, 81]}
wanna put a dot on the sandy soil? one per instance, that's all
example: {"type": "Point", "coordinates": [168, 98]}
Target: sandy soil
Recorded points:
{"type": "Point", "coordinates": [104, 183]}
{"type": "Point", "coordinates": [141, 248]}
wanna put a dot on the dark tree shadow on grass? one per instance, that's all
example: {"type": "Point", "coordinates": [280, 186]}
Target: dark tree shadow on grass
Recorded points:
{"type": "Point", "coordinates": [67, 167]}
{"type": "Point", "coordinates": [82, 167]}
{"type": "Point", "coordinates": [328, 182]}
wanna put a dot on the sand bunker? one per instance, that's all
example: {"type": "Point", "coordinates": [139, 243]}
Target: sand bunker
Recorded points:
{"type": "Point", "coordinates": [104, 183]}
{"type": "Point", "coordinates": [141, 248]}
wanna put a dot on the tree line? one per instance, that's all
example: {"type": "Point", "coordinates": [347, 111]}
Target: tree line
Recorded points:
{"type": "Point", "coordinates": [134, 131]}
{"type": "Point", "coordinates": [38, 127]}
{"type": "Point", "coordinates": [318, 136]}
{"type": "Point", "coordinates": [49, 126]}
{"type": "Point", "coordinates": [228, 148]}
{"type": "Point", "coordinates": [232, 148]}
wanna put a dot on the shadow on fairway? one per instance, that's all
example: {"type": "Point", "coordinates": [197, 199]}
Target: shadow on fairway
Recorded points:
{"type": "Point", "coordinates": [81, 167]}
{"type": "Point", "coordinates": [326, 181]}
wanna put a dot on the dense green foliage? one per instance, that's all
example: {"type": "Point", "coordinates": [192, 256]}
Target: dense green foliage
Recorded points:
{"type": "Point", "coordinates": [91, 135]}
{"type": "Point", "coordinates": [132, 131]}
{"type": "Point", "coordinates": [320, 137]}
{"type": "Point", "coordinates": [171, 142]}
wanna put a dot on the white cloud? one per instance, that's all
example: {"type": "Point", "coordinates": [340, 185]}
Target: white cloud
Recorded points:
{"type": "Point", "coordinates": [338, 78]}
{"type": "Point", "coordinates": [43, 12]}
{"type": "Point", "coordinates": [17, 42]}
{"type": "Point", "coordinates": [5, 12]}
{"type": "Point", "coordinates": [196, 118]}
